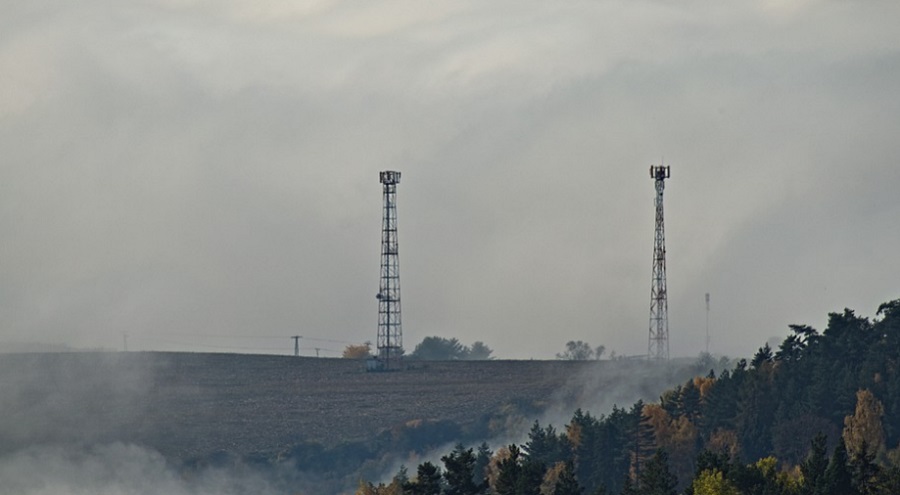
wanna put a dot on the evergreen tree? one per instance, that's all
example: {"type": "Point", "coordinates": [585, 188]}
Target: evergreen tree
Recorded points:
{"type": "Point", "coordinates": [401, 479]}
{"type": "Point", "coordinates": [865, 472]}
{"type": "Point", "coordinates": [459, 468]}
{"type": "Point", "coordinates": [546, 446]}
{"type": "Point", "coordinates": [755, 413]}
{"type": "Point", "coordinates": [532, 476]}
{"type": "Point", "coordinates": [838, 479]}
{"type": "Point", "coordinates": [628, 487]}
{"type": "Point", "coordinates": [593, 445]}
{"type": "Point", "coordinates": [482, 460]}
{"type": "Point", "coordinates": [814, 467]}
{"type": "Point", "coordinates": [427, 482]}
{"type": "Point", "coordinates": [643, 440]}
{"type": "Point", "coordinates": [509, 472]}
{"type": "Point", "coordinates": [690, 401]}
{"type": "Point", "coordinates": [656, 479]}
{"type": "Point", "coordinates": [518, 476]}
{"type": "Point", "coordinates": [567, 484]}
{"type": "Point", "coordinates": [762, 356]}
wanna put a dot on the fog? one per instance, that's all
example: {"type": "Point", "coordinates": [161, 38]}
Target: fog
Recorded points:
{"type": "Point", "coordinates": [116, 469]}
{"type": "Point", "coordinates": [203, 175]}
{"type": "Point", "coordinates": [194, 175]}
{"type": "Point", "coordinates": [134, 423]}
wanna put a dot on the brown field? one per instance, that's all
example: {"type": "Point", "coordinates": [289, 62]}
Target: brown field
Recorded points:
{"type": "Point", "coordinates": [188, 405]}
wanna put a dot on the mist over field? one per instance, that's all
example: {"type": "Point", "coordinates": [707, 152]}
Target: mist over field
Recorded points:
{"type": "Point", "coordinates": [227, 423]}
{"type": "Point", "coordinates": [117, 469]}
{"type": "Point", "coordinates": [195, 182]}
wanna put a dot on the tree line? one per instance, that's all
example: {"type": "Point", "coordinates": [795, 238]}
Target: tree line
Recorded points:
{"type": "Point", "coordinates": [431, 349]}
{"type": "Point", "coordinates": [819, 415]}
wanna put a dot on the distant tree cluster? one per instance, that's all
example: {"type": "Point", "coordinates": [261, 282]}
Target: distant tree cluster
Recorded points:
{"type": "Point", "coordinates": [577, 350]}
{"type": "Point", "coordinates": [441, 349]}
{"type": "Point", "coordinates": [763, 428]}
{"type": "Point", "coordinates": [357, 351]}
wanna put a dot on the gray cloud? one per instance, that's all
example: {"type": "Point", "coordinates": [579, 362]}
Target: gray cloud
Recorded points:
{"type": "Point", "coordinates": [177, 168]}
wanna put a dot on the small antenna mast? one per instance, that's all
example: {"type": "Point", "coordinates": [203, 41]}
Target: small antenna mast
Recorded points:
{"type": "Point", "coordinates": [707, 323]}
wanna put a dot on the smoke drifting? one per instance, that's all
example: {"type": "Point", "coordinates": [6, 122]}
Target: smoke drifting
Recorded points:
{"type": "Point", "coordinates": [116, 469]}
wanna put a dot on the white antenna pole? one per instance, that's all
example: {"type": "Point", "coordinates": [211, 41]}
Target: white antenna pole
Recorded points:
{"type": "Point", "coordinates": [707, 322]}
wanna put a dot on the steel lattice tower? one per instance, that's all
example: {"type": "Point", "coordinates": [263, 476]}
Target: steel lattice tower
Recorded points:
{"type": "Point", "coordinates": [658, 348]}
{"type": "Point", "coordinates": [390, 334]}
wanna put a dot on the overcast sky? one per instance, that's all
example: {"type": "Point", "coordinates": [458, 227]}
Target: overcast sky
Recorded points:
{"type": "Point", "coordinates": [196, 173]}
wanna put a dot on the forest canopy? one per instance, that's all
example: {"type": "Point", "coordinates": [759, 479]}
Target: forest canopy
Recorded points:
{"type": "Point", "coordinates": [818, 415]}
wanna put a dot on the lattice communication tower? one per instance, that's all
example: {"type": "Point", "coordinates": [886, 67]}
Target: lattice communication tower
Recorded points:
{"type": "Point", "coordinates": [390, 333]}
{"type": "Point", "coordinates": [658, 348]}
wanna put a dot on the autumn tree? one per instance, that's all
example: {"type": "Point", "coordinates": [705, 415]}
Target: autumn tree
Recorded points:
{"type": "Point", "coordinates": [357, 351]}
{"type": "Point", "coordinates": [864, 427]}
{"type": "Point", "coordinates": [365, 488]}
{"type": "Point", "coordinates": [678, 437]}
{"type": "Point", "coordinates": [713, 482]}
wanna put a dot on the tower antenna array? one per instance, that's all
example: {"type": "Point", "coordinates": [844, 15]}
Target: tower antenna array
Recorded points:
{"type": "Point", "coordinates": [390, 333]}
{"type": "Point", "coordinates": [658, 347]}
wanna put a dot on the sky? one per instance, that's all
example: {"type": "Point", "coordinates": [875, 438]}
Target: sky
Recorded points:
{"type": "Point", "coordinates": [203, 175]}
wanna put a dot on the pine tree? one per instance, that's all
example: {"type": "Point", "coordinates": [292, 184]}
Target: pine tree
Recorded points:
{"type": "Point", "coordinates": [546, 446]}
{"type": "Point", "coordinates": [509, 473]}
{"type": "Point", "coordinates": [567, 484]}
{"type": "Point", "coordinates": [628, 487]}
{"type": "Point", "coordinates": [482, 460]}
{"type": "Point", "coordinates": [427, 482]}
{"type": "Point", "coordinates": [838, 479]}
{"type": "Point", "coordinates": [643, 439]}
{"type": "Point", "coordinates": [814, 467]}
{"type": "Point", "coordinates": [865, 472]}
{"type": "Point", "coordinates": [518, 476]}
{"type": "Point", "coordinates": [656, 479]}
{"type": "Point", "coordinates": [459, 468]}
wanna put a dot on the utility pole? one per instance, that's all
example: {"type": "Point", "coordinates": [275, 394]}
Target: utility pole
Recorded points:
{"type": "Point", "coordinates": [390, 334]}
{"type": "Point", "coordinates": [658, 347]}
{"type": "Point", "coordinates": [297, 344]}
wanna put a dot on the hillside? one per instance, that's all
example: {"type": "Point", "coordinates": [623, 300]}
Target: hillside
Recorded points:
{"type": "Point", "coordinates": [765, 427]}
{"type": "Point", "coordinates": [196, 405]}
